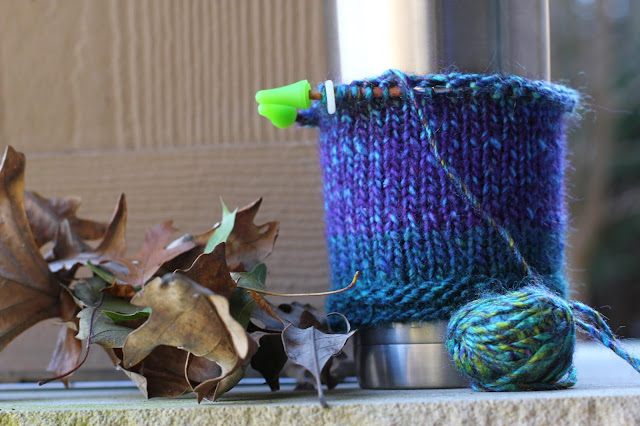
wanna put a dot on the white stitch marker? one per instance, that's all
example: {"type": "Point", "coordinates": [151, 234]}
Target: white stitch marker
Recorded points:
{"type": "Point", "coordinates": [331, 96]}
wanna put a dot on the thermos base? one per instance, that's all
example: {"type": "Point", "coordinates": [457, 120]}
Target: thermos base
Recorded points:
{"type": "Point", "coordinates": [405, 356]}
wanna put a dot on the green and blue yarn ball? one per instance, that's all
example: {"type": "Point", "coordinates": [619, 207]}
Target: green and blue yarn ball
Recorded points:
{"type": "Point", "coordinates": [523, 340]}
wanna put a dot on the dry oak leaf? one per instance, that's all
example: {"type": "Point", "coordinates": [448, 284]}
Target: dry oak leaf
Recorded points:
{"type": "Point", "coordinates": [212, 388]}
{"type": "Point", "coordinates": [104, 331]}
{"type": "Point", "coordinates": [302, 316]}
{"type": "Point", "coordinates": [211, 271]}
{"type": "Point", "coordinates": [270, 358]}
{"type": "Point", "coordinates": [187, 316]}
{"type": "Point", "coordinates": [66, 355]}
{"type": "Point", "coordinates": [29, 292]}
{"type": "Point", "coordinates": [46, 214]}
{"type": "Point", "coordinates": [312, 349]}
{"type": "Point", "coordinates": [68, 350]}
{"type": "Point", "coordinates": [153, 254]}
{"type": "Point", "coordinates": [161, 373]}
{"type": "Point", "coordinates": [123, 291]}
{"type": "Point", "coordinates": [247, 245]}
{"type": "Point", "coordinates": [112, 246]}
{"type": "Point", "coordinates": [66, 243]}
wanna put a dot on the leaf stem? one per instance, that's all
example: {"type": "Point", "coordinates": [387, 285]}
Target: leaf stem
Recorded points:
{"type": "Point", "coordinates": [325, 293]}
{"type": "Point", "coordinates": [321, 397]}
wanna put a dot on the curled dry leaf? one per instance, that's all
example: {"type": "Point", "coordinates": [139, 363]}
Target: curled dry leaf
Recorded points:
{"type": "Point", "coordinates": [298, 314]}
{"type": "Point", "coordinates": [211, 271]}
{"type": "Point", "coordinates": [90, 293]}
{"type": "Point", "coordinates": [222, 229]}
{"type": "Point", "coordinates": [112, 246]}
{"type": "Point", "coordinates": [190, 317]}
{"type": "Point", "coordinates": [66, 355]}
{"type": "Point", "coordinates": [68, 351]}
{"type": "Point", "coordinates": [46, 214]}
{"type": "Point", "coordinates": [311, 349]}
{"type": "Point", "coordinates": [125, 291]}
{"type": "Point", "coordinates": [30, 292]}
{"type": "Point", "coordinates": [242, 306]}
{"type": "Point", "coordinates": [153, 254]}
{"type": "Point", "coordinates": [212, 388]}
{"type": "Point", "coordinates": [103, 331]}
{"type": "Point", "coordinates": [162, 372]}
{"type": "Point", "coordinates": [244, 300]}
{"type": "Point", "coordinates": [247, 244]}
{"type": "Point", "coordinates": [336, 369]}
{"type": "Point", "coordinates": [66, 243]}
{"type": "Point", "coordinates": [270, 358]}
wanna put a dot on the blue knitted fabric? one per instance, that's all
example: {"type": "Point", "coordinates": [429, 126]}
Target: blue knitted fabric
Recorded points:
{"type": "Point", "coordinates": [394, 212]}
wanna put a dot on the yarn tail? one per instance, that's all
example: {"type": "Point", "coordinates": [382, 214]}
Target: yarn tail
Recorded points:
{"type": "Point", "coordinates": [591, 322]}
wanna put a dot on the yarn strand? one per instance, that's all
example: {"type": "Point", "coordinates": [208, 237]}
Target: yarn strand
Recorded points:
{"type": "Point", "coordinates": [459, 184]}
{"type": "Point", "coordinates": [592, 323]}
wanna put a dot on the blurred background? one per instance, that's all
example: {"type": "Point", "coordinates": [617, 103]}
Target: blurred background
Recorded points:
{"type": "Point", "coordinates": [595, 48]}
{"type": "Point", "coordinates": [155, 99]}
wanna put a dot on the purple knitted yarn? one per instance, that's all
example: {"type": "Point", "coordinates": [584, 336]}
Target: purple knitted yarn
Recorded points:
{"type": "Point", "coordinates": [394, 214]}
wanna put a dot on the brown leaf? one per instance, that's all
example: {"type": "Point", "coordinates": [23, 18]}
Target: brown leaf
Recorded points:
{"type": "Point", "coordinates": [161, 373]}
{"type": "Point", "coordinates": [66, 243]}
{"type": "Point", "coordinates": [247, 245]}
{"type": "Point", "coordinates": [302, 316]}
{"type": "Point", "coordinates": [270, 358]}
{"type": "Point", "coordinates": [190, 317]}
{"type": "Point", "coordinates": [100, 329]}
{"type": "Point", "coordinates": [215, 385]}
{"type": "Point", "coordinates": [30, 292]}
{"type": "Point", "coordinates": [124, 291]}
{"type": "Point", "coordinates": [312, 349]}
{"type": "Point", "coordinates": [210, 271]}
{"type": "Point", "coordinates": [68, 307]}
{"type": "Point", "coordinates": [46, 214]}
{"type": "Point", "coordinates": [263, 304]}
{"type": "Point", "coordinates": [199, 369]}
{"type": "Point", "coordinates": [112, 246]}
{"type": "Point", "coordinates": [336, 369]}
{"type": "Point", "coordinates": [68, 351]}
{"type": "Point", "coordinates": [213, 388]}
{"type": "Point", "coordinates": [66, 355]}
{"type": "Point", "coordinates": [153, 254]}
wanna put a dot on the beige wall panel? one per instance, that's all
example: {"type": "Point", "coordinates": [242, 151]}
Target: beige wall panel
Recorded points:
{"type": "Point", "coordinates": [109, 75]}
{"type": "Point", "coordinates": [185, 185]}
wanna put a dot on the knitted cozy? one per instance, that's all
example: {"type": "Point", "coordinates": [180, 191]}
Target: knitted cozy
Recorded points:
{"type": "Point", "coordinates": [394, 213]}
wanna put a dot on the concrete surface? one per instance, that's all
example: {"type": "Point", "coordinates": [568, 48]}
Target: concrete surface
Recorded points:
{"type": "Point", "coordinates": [608, 392]}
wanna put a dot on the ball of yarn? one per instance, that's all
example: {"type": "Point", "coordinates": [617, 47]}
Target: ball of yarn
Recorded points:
{"type": "Point", "coordinates": [522, 340]}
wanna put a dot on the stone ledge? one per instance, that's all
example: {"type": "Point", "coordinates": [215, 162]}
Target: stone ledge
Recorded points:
{"type": "Point", "coordinates": [608, 392]}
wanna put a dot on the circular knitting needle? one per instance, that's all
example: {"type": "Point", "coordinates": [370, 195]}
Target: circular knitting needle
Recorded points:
{"type": "Point", "coordinates": [280, 104]}
{"type": "Point", "coordinates": [378, 92]}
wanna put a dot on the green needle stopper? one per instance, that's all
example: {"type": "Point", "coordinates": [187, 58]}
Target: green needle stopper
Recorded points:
{"type": "Point", "coordinates": [279, 104]}
{"type": "Point", "coordinates": [281, 116]}
{"type": "Point", "coordinates": [294, 95]}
